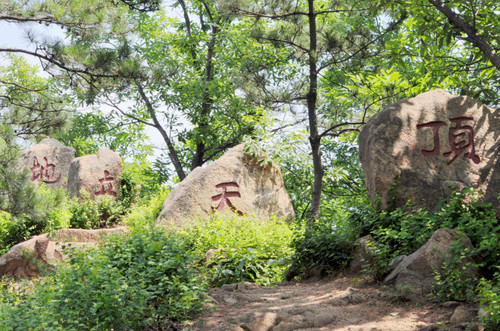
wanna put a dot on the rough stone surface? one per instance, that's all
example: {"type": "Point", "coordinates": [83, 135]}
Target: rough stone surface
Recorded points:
{"type": "Point", "coordinates": [234, 183]}
{"type": "Point", "coordinates": [418, 269]}
{"type": "Point", "coordinates": [49, 162]}
{"type": "Point", "coordinates": [361, 254]}
{"type": "Point", "coordinates": [98, 175]}
{"type": "Point", "coordinates": [29, 258]}
{"type": "Point", "coordinates": [423, 148]}
{"type": "Point", "coordinates": [463, 314]}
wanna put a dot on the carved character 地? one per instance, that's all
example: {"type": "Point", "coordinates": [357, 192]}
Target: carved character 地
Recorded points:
{"type": "Point", "coordinates": [44, 173]}
{"type": "Point", "coordinates": [223, 198]}
{"type": "Point", "coordinates": [461, 139]}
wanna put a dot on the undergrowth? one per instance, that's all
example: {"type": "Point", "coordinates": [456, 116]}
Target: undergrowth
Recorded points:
{"type": "Point", "coordinates": [129, 282]}
{"type": "Point", "coordinates": [234, 248]}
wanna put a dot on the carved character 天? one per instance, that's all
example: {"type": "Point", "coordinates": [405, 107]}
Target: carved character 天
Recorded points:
{"type": "Point", "coordinates": [223, 198]}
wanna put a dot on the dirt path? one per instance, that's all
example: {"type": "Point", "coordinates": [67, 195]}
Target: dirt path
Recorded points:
{"type": "Point", "coordinates": [329, 304]}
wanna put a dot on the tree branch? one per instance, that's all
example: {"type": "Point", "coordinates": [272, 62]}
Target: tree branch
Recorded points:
{"type": "Point", "coordinates": [471, 33]}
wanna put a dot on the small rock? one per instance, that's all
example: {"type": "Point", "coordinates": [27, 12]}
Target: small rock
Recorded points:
{"type": "Point", "coordinates": [462, 315]}
{"type": "Point", "coordinates": [418, 269]}
{"type": "Point", "coordinates": [482, 312]}
{"type": "Point", "coordinates": [361, 255]}
{"type": "Point", "coordinates": [230, 300]}
{"type": "Point", "coordinates": [396, 261]}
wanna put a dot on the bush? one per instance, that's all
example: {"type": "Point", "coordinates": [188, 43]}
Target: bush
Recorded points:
{"type": "Point", "coordinates": [489, 297]}
{"type": "Point", "coordinates": [242, 248]}
{"type": "Point", "coordinates": [402, 231]}
{"type": "Point", "coordinates": [87, 213]}
{"type": "Point", "coordinates": [323, 247]}
{"type": "Point", "coordinates": [130, 282]}
{"type": "Point", "coordinates": [53, 215]}
{"type": "Point", "coordinates": [145, 212]}
{"type": "Point", "coordinates": [451, 283]}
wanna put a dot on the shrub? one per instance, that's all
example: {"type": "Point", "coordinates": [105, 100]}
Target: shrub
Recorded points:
{"type": "Point", "coordinates": [87, 213]}
{"type": "Point", "coordinates": [146, 211]}
{"type": "Point", "coordinates": [322, 246]}
{"type": "Point", "coordinates": [489, 297]}
{"type": "Point", "coordinates": [402, 231]}
{"type": "Point", "coordinates": [130, 282]}
{"type": "Point", "coordinates": [243, 248]}
{"type": "Point", "coordinates": [451, 282]}
{"type": "Point", "coordinates": [53, 215]}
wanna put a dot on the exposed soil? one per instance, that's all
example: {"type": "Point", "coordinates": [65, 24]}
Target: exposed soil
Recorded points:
{"type": "Point", "coordinates": [342, 303]}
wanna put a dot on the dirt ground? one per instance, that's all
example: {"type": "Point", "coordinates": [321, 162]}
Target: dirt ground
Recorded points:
{"type": "Point", "coordinates": [341, 303]}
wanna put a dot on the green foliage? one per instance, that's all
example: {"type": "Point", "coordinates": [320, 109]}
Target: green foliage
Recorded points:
{"type": "Point", "coordinates": [323, 246]}
{"type": "Point", "coordinates": [429, 48]}
{"type": "Point", "coordinates": [87, 213]}
{"type": "Point", "coordinates": [404, 230]}
{"type": "Point", "coordinates": [146, 211]}
{"type": "Point", "coordinates": [53, 215]}
{"type": "Point", "coordinates": [90, 131]}
{"type": "Point", "coordinates": [489, 297]}
{"type": "Point", "coordinates": [240, 248]}
{"type": "Point", "coordinates": [451, 282]}
{"type": "Point", "coordinates": [131, 282]}
{"type": "Point", "coordinates": [343, 187]}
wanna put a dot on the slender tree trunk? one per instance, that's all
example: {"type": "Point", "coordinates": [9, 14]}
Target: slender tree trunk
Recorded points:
{"type": "Point", "coordinates": [206, 106]}
{"type": "Point", "coordinates": [172, 153]}
{"type": "Point", "coordinates": [475, 38]}
{"type": "Point", "coordinates": [314, 137]}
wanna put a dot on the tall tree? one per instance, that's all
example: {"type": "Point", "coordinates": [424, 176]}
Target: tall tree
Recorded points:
{"type": "Point", "coordinates": [327, 37]}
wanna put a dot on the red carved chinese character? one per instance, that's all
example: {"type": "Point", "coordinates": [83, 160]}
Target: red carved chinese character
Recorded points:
{"type": "Point", "coordinates": [109, 180]}
{"type": "Point", "coordinates": [44, 173]}
{"type": "Point", "coordinates": [435, 131]}
{"type": "Point", "coordinates": [458, 141]}
{"type": "Point", "coordinates": [223, 198]}
{"type": "Point", "coordinates": [461, 138]}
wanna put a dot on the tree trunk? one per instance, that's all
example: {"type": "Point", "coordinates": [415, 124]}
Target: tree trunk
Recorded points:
{"type": "Point", "coordinates": [172, 153]}
{"type": "Point", "coordinates": [206, 106]}
{"type": "Point", "coordinates": [314, 137]}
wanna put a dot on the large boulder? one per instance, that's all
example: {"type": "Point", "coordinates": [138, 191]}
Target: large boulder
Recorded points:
{"type": "Point", "coordinates": [40, 253]}
{"type": "Point", "coordinates": [235, 183]}
{"type": "Point", "coordinates": [419, 269]}
{"type": "Point", "coordinates": [423, 148]}
{"type": "Point", "coordinates": [49, 162]}
{"type": "Point", "coordinates": [98, 175]}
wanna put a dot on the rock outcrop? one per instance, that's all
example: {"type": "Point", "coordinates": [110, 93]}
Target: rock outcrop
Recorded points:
{"type": "Point", "coordinates": [49, 162]}
{"type": "Point", "coordinates": [418, 269]}
{"type": "Point", "coordinates": [40, 253]}
{"type": "Point", "coordinates": [235, 183]}
{"type": "Point", "coordinates": [98, 175]}
{"type": "Point", "coordinates": [423, 148]}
